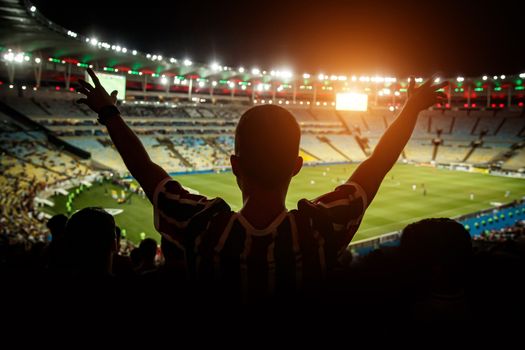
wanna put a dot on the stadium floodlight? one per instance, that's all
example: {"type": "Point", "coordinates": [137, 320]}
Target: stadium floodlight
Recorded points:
{"type": "Point", "coordinates": [241, 69]}
{"type": "Point", "coordinates": [24, 87]}
{"type": "Point", "coordinates": [202, 84]}
{"type": "Point", "coordinates": [154, 57]}
{"type": "Point", "coordinates": [495, 77]}
{"type": "Point", "coordinates": [342, 78]}
{"type": "Point", "coordinates": [187, 62]}
{"type": "Point", "coordinates": [159, 57]}
{"type": "Point", "coordinates": [320, 76]}
{"type": "Point", "coordinates": [286, 74]}
{"type": "Point", "coordinates": [173, 60]}
{"type": "Point", "coordinates": [354, 78]}
{"type": "Point", "coordinates": [148, 55]}
{"type": "Point", "coordinates": [333, 77]}
{"type": "Point", "coordinates": [502, 76]}
{"type": "Point", "coordinates": [437, 80]}
{"type": "Point", "coordinates": [522, 75]}
{"type": "Point", "coordinates": [134, 52]}
{"type": "Point", "coordinates": [93, 41]}
{"type": "Point", "coordinates": [124, 50]}
{"type": "Point", "coordinates": [11, 86]}
{"type": "Point", "coordinates": [364, 79]}
{"type": "Point", "coordinates": [485, 77]}
{"type": "Point", "coordinates": [256, 71]}
{"type": "Point", "coordinates": [231, 84]}
{"type": "Point", "coordinates": [214, 83]}
{"type": "Point", "coordinates": [460, 79]}
{"type": "Point", "coordinates": [419, 80]}
{"type": "Point", "coordinates": [397, 93]}
{"type": "Point", "coordinates": [351, 101]}
{"type": "Point", "coordinates": [391, 108]}
{"type": "Point", "coordinates": [216, 67]}
{"type": "Point", "coordinates": [38, 60]}
{"type": "Point", "coordinates": [306, 76]}
{"type": "Point", "coordinates": [118, 48]}
{"type": "Point", "coordinates": [32, 9]}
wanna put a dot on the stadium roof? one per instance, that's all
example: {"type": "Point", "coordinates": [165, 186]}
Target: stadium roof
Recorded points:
{"type": "Point", "coordinates": [25, 32]}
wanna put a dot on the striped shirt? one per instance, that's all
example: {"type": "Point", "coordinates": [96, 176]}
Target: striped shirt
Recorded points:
{"type": "Point", "coordinates": [298, 249]}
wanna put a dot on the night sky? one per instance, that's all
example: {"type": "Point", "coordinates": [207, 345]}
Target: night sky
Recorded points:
{"type": "Point", "coordinates": [338, 37]}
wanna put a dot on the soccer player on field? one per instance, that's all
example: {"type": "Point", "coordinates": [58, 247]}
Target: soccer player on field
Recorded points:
{"type": "Point", "coordinates": [264, 248]}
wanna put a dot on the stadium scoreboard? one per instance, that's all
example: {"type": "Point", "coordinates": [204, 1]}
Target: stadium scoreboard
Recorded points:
{"type": "Point", "coordinates": [351, 101]}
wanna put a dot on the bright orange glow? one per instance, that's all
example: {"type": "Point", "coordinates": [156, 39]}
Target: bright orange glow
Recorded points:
{"type": "Point", "coordinates": [350, 101]}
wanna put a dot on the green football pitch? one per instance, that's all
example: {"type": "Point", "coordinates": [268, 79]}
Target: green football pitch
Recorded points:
{"type": "Point", "coordinates": [395, 206]}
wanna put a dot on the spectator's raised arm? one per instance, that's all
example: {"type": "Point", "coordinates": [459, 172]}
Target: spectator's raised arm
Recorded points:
{"type": "Point", "coordinates": [133, 153]}
{"type": "Point", "coordinates": [371, 172]}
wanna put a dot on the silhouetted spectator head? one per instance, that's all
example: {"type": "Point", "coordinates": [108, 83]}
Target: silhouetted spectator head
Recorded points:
{"type": "Point", "coordinates": [135, 257]}
{"type": "Point", "coordinates": [266, 148]}
{"type": "Point", "coordinates": [91, 240]}
{"type": "Point", "coordinates": [436, 243]}
{"type": "Point", "coordinates": [148, 250]}
{"type": "Point", "coordinates": [57, 226]}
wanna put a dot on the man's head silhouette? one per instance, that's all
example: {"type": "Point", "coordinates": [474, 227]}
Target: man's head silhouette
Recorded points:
{"type": "Point", "coordinates": [266, 148]}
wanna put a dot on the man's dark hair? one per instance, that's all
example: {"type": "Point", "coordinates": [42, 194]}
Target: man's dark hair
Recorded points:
{"type": "Point", "coordinates": [267, 144]}
{"type": "Point", "coordinates": [440, 241]}
{"type": "Point", "coordinates": [57, 226]}
{"type": "Point", "coordinates": [90, 235]}
{"type": "Point", "coordinates": [148, 249]}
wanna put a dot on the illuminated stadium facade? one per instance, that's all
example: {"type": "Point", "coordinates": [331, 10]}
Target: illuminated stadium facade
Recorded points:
{"type": "Point", "coordinates": [185, 112]}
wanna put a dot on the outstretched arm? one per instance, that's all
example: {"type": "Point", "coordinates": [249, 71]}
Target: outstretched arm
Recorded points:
{"type": "Point", "coordinates": [133, 153]}
{"type": "Point", "coordinates": [371, 172]}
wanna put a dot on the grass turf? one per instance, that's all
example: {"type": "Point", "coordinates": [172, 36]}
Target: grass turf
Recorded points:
{"type": "Point", "coordinates": [396, 204]}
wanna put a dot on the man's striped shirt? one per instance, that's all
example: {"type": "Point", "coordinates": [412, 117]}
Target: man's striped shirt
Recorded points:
{"type": "Point", "coordinates": [298, 249]}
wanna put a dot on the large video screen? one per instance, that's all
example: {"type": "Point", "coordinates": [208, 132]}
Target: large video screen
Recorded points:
{"type": "Point", "coordinates": [350, 101]}
{"type": "Point", "coordinates": [111, 82]}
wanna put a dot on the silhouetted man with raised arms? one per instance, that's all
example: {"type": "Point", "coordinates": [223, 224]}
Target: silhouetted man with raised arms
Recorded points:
{"type": "Point", "coordinates": [263, 249]}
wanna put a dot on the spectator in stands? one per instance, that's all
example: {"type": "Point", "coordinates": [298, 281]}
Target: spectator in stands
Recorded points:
{"type": "Point", "coordinates": [263, 249]}
{"type": "Point", "coordinates": [91, 242]}
{"type": "Point", "coordinates": [55, 249]}
{"type": "Point", "coordinates": [436, 254]}
{"type": "Point", "coordinates": [148, 252]}
{"type": "Point", "coordinates": [121, 264]}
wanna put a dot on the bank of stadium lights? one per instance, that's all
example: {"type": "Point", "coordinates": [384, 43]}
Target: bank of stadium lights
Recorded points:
{"type": "Point", "coordinates": [460, 79]}
{"type": "Point", "coordinates": [187, 62]}
{"type": "Point", "coordinates": [72, 34]}
{"type": "Point", "coordinates": [502, 76]}
{"type": "Point", "coordinates": [19, 57]}
{"type": "Point", "coordinates": [256, 71]}
{"type": "Point", "coordinates": [522, 75]}
{"type": "Point", "coordinates": [173, 60]}
{"type": "Point", "coordinates": [306, 76]}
